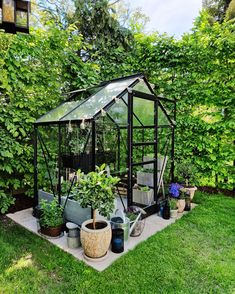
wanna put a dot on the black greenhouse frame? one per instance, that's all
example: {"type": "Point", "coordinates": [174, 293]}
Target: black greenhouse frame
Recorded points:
{"type": "Point", "coordinates": [132, 95]}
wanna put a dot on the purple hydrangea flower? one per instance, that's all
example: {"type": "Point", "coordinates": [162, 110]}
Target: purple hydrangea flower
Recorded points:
{"type": "Point", "coordinates": [174, 190]}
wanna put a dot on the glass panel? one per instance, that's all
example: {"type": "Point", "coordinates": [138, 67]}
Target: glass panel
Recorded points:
{"type": "Point", "coordinates": [99, 100]}
{"type": "Point", "coordinates": [162, 118]}
{"type": "Point", "coordinates": [164, 147]}
{"type": "Point", "coordinates": [106, 143]}
{"type": "Point", "coordinates": [144, 110]}
{"type": "Point", "coordinates": [76, 147]}
{"type": "Point", "coordinates": [22, 19]}
{"type": "Point", "coordinates": [142, 87]}
{"type": "Point", "coordinates": [8, 11]}
{"type": "Point", "coordinates": [49, 135]}
{"type": "Point", "coordinates": [58, 112]}
{"type": "Point", "coordinates": [143, 189]}
{"type": "Point", "coordinates": [118, 112]}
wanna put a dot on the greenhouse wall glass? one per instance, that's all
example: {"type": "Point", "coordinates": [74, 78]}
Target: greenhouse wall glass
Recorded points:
{"type": "Point", "coordinates": [121, 123]}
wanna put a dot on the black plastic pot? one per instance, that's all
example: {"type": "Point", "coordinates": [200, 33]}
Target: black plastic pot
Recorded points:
{"type": "Point", "coordinates": [83, 161]}
{"type": "Point", "coordinates": [187, 205]}
{"type": "Point", "coordinates": [166, 212]}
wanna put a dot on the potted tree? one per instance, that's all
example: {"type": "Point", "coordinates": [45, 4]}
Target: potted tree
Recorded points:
{"type": "Point", "coordinates": [96, 190]}
{"type": "Point", "coordinates": [51, 218]}
{"type": "Point", "coordinates": [187, 172]}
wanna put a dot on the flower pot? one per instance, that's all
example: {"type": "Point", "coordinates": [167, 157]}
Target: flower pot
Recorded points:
{"type": "Point", "coordinates": [73, 211]}
{"type": "Point", "coordinates": [96, 242]}
{"type": "Point", "coordinates": [143, 197]}
{"type": "Point", "coordinates": [51, 232]}
{"type": "Point", "coordinates": [181, 205]}
{"type": "Point", "coordinates": [174, 213]}
{"type": "Point", "coordinates": [191, 192]}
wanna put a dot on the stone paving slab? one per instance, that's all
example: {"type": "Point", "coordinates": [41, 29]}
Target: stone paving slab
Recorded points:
{"type": "Point", "coordinates": [153, 224]}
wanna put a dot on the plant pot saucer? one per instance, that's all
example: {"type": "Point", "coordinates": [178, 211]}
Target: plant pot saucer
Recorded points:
{"type": "Point", "coordinates": [95, 259]}
{"type": "Point", "coordinates": [49, 237]}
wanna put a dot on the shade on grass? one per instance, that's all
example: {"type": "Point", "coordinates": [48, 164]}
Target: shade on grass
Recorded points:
{"type": "Point", "coordinates": [194, 255]}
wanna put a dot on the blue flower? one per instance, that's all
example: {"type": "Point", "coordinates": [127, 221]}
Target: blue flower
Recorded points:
{"type": "Point", "coordinates": [174, 190]}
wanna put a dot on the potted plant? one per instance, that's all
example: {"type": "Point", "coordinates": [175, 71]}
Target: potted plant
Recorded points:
{"type": "Point", "coordinates": [173, 206]}
{"type": "Point", "coordinates": [51, 218]}
{"type": "Point", "coordinates": [145, 177]}
{"type": "Point", "coordinates": [73, 212]}
{"type": "Point", "coordinates": [181, 200]}
{"type": "Point", "coordinates": [187, 172]}
{"type": "Point", "coordinates": [96, 190]}
{"type": "Point", "coordinates": [178, 192]}
{"type": "Point", "coordinates": [142, 195]}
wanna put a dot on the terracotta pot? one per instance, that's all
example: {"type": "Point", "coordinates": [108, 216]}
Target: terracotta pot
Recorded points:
{"type": "Point", "coordinates": [52, 232]}
{"type": "Point", "coordinates": [181, 205]}
{"type": "Point", "coordinates": [96, 242]}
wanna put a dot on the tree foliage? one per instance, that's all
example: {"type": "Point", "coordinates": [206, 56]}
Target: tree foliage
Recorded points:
{"type": "Point", "coordinates": [34, 71]}
{"type": "Point", "coordinates": [216, 8]}
{"type": "Point", "coordinates": [197, 70]}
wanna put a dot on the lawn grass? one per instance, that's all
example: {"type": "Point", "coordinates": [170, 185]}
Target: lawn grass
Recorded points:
{"type": "Point", "coordinates": [194, 255]}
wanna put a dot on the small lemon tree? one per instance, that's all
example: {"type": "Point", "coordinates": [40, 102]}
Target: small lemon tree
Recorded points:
{"type": "Point", "coordinates": [96, 190]}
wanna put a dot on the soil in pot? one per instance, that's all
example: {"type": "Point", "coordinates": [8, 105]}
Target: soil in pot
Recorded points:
{"type": "Point", "coordinates": [51, 232]}
{"type": "Point", "coordinates": [98, 226]}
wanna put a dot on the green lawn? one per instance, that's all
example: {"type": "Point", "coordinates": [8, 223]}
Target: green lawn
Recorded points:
{"type": "Point", "coordinates": [194, 255]}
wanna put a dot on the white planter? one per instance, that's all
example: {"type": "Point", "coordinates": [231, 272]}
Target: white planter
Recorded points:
{"type": "Point", "coordinates": [174, 213]}
{"type": "Point", "coordinates": [144, 178]}
{"type": "Point", "coordinates": [143, 197]}
{"type": "Point", "coordinates": [73, 210]}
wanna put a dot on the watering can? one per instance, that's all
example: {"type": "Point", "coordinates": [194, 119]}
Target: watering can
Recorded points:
{"type": "Point", "coordinates": [120, 221]}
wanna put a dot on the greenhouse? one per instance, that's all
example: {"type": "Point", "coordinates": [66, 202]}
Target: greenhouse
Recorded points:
{"type": "Point", "coordinates": [121, 123]}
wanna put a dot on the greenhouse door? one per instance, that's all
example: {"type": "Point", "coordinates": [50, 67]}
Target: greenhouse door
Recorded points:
{"type": "Point", "coordinates": [142, 139]}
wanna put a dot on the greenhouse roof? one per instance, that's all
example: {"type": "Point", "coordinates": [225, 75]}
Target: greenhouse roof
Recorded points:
{"type": "Point", "coordinates": [102, 99]}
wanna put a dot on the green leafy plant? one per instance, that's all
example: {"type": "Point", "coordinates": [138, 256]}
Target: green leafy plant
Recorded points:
{"type": "Point", "coordinates": [96, 190]}
{"type": "Point", "coordinates": [52, 214]}
{"type": "Point", "coordinates": [182, 194]}
{"type": "Point", "coordinates": [145, 189]}
{"type": "Point", "coordinates": [5, 201]}
{"type": "Point", "coordinates": [173, 203]}
{"type": "Point", "coordinates": [186, 172]}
